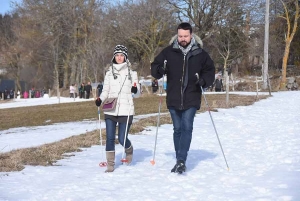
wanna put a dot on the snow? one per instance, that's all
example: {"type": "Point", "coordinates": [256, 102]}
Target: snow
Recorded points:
{"type": "Point", "coordinates": [260, 143]}
{"type": "Point", "coordinates": [25, 102]}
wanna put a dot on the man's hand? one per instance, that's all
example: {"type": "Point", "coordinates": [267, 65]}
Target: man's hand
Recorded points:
{"type": "Point", "coordinates": [200, 81]}
{"type": "Point", "coordinates": [162, 69]}
{"type": "Point", "coordinates": [134, 89]}
{"type": "Point", "coordinates": [98, 102]}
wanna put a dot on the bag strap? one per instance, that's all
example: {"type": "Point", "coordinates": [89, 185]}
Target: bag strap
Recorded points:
{"type": "Point", "coordinates": [122, 85]}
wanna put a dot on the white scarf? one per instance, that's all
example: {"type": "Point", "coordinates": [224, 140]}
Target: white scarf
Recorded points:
{"type": "Point", "coordinates": [118, 67]}
{"type": "Point", "coordinates": [188, 48]}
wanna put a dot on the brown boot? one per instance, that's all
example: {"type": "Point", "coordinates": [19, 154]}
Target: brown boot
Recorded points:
{"type": "Point", "coordinates": [110, 157]}
{"type": "Point", "coordinates": [129, 153]}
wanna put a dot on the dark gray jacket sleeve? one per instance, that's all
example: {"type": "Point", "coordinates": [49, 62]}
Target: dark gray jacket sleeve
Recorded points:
{"type": "Point", "coordinates": [208, 72]}
{"type": "Point", "coordinates": [156, 64]}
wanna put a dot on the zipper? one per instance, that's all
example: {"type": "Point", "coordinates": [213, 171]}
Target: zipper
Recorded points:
{"type": "Point", "coordinates": [182, 81]}
{"type": "Point", "coordinates": [119, 94]}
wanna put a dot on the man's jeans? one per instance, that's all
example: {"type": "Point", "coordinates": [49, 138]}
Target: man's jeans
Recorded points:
{"type": "Point", "coordinates": [111, 134]}
{"type": "Point", "coordinates": [183, 128]}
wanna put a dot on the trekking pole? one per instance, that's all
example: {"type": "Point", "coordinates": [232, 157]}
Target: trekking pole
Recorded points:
{"type": "Point", "coordinates": [158, 118]}
{"type": "Point", "coordinates": [101, 164]}
{"type": "Point", "coordinates": [214, 126]}
{"type": "Point", "coordinates": [124, 160]}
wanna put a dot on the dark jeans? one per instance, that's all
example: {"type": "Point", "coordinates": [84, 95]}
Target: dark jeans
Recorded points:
{"type": "Point", "coordinates": [183, 128]}
{"type": "Point", "coordinates": [87, 94]}
{"type": "Point", "coordinates": [81, 94]}
{"type": "Point", "coordinates": [111, 134]}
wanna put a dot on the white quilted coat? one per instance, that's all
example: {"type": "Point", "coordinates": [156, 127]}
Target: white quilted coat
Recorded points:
{"type": "Point", "coordinates": [112, 87]}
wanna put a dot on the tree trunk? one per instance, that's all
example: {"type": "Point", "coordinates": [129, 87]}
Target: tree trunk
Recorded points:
{"type": "Point", "coordinates": [284, 65]}
{"type": "Point", "coordinates": [66, 83]}
{"type": "Point", "coordinates": [227, 86]}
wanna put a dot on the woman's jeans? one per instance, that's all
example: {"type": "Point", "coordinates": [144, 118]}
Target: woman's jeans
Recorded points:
{"type": "Point", "coordinates": [111, 134]}
{"type": "Point", "coordinates": [183, 128]}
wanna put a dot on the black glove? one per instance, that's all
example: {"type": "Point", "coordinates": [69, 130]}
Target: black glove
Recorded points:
{"type": "Point", "coordinates": [133, 89]}
{"type": "Point", "coordinates": [98, 102]}
{"type": "Point", "coordinates": [161, 70]}
{"type": "Point", "coordinates": [200, 81]}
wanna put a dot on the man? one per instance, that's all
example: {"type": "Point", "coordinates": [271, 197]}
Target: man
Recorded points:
{"type": "Point", "coordinates": [218, 84]}
{"type": "Point", "coordinates": [295, 86]}
{"type": "Point", "coordinates": [154, 86]}
{"type": "Point", "coordinates": [188, 68]}
{"type": "Point", "coordinates": [100, 88]}
{"type": "Point", "coordinates": [88, 89]}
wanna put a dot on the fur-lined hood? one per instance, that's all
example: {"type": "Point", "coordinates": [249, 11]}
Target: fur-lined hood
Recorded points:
{"type": "Point", "coordinates": [197, 39]}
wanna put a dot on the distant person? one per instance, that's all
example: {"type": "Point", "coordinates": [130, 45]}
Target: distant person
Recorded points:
{"type": "Point", "coordinates": [100, 88]}
{"type": "Point", "coordinates": [295, 86]}
{"type": "Point", "coordinates": [81, 90]}
{"type": "Point", "coordinates": [12, 94]}
{"type": "Point", "coordinates": [88, 89]}
{"type": "Point", "coordinates": [6, 94]}
{"type": "Point", "coordinates": [43, 92]}
{"type": "Point", "coordinates": [218, 84]}
{"type": "Point", "coordinates": [141, 82]}
{"type": "Point", "coordinates": [37, 94]}
{"type": "Point", "coordinates": [154, 86]}
{"type": "Point", "coordinates": [32, 92]}
{"type": "Point", "coordinates": [18, 94]}
{"type": "Point", "coordinates": [72, 91]}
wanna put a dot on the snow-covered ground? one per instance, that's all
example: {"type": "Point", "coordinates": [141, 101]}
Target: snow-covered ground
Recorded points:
{"type": "Point", "coordinates": [260, 142]}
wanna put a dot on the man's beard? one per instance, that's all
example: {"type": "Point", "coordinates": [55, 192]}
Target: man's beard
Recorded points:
{"type": "Point", "coordinates": [184, 44]}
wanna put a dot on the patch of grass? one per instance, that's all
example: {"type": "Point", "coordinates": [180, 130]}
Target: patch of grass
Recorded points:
{"type": "Point", "coordinates": [48, 154]}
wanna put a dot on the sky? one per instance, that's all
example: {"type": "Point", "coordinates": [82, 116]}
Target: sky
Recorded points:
{"type": "Point", "coordinates": [5, 5]}
{"type": "Point", "coordinates": [260, 143]}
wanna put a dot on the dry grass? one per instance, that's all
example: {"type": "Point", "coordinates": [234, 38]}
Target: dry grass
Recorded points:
{"type": "Point", "coordinates": [48, 154]}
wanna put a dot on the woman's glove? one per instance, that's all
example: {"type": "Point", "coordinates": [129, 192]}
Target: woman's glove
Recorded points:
{"type": "Point", "coordinates": [98, 102]}
{"type": "Point", "coordinates": [134, 89]}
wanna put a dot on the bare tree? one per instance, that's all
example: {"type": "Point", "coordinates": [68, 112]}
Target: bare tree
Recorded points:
{"type": "Point", "coordinates": [291, 15]}
{"type": "Point", "coordinates": [231, 43]}
{"type": "Point", "coordinates": [205, 15]}
{"type": "Point", "coordinates": [144, 26]}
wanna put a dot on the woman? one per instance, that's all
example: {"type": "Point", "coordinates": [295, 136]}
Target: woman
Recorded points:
{"type": "Point", "coordinates": [72, 91]}
{"type": "Point", "coordinates": [81, 90]}
{"type": "Point", "coordinates": [119, 82]}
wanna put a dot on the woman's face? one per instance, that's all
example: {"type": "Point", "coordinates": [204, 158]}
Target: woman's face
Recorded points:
{"type": "Point", "coordinates": [120, 58]}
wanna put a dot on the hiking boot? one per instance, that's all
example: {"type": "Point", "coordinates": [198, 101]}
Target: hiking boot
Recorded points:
{"type": "Point", "coordinates": [174, 168]}
{"type": "Point", "coordinates": [110, 156]}
{"type": "Point", "coordinates": [179, 167]}
{"type": "Point", "coordinates": [129, 153]}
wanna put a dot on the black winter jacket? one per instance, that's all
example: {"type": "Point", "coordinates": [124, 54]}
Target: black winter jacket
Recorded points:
{"type": "Point", "coordinates": [218, 84]}
{"type": "Point", "coordinates": [182, 92]}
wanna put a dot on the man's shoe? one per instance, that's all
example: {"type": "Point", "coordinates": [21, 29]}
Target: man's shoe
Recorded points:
{"type": "Point", "coordinates": [174, 168]}
{"type": "Point", "coordinates": [179, 167]}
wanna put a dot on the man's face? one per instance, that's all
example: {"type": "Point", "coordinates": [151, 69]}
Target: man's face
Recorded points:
{"type": "Point", "coordinates": [184, 37]}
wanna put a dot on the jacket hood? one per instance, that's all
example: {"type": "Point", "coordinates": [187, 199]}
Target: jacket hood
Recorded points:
{"type": "Point", "coordinates": [197, 39]}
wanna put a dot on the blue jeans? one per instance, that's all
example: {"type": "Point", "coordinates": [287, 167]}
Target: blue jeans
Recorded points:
{"type": "Point", "coordinates": [183, 128]}
{"type": "Point", "coordinates": [111, 134]}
